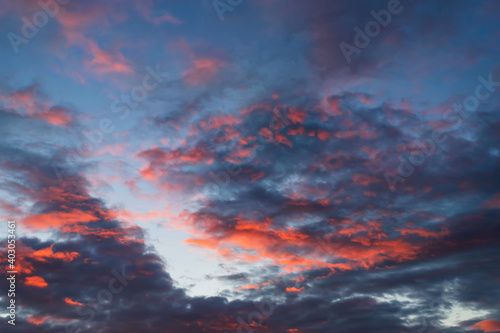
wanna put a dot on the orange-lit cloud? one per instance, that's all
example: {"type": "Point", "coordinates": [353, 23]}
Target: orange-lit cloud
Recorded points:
{"type": "Point", "coordinates": [48, 252]}
{"type": "Point", "coordinates": [361, 244]}
{"type": "Point", "coordinates": [57, 219]}
{"type": "Point", "coordinates": [36, 281]}
{"type": "Point", "coordinates": [124, 235]}
{"type": "Point", "coordinates": [71, 302]}
{"type": "Point", "coordinates": [423, 232]}
{"type": "Point", "coordinates": [488, 325]}
{"type": "Point", "coordinates": [37, 320]}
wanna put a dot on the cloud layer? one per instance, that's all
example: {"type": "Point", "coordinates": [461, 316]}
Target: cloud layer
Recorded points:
{"type": "Point", "coordinates": [345, 195]}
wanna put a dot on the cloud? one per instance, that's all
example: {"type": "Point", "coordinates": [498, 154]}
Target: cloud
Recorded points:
{"type": "Point", "coordinates": [146, 10]}
{"type": "Point", "coordinates": [489, 325]}
{"type": "Point", "coordinates": [294, 206]}
{"type": "Point", "coordinates": [29, 102]}
{"type": "Point", "coordinates": [35, 281]}
{"type": "Point", "coordinates": [202, 71]}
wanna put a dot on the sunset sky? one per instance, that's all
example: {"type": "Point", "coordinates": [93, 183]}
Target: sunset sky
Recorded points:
{"type": "Point", "coordinates": [279, 166]}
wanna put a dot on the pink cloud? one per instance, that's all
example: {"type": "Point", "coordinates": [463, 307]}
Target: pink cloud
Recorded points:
{"type": "Point", "coordinates": [146, 8]}
{"type": "Point", "coordinates": [202, 71]}
{"type": "Point", "coordinates": [27, 102]}
{"type": "Point", "coordinates": [73, 26]}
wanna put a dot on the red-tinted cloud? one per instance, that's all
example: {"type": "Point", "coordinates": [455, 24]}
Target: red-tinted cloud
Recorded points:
{"type": "Point", "coordinates": [489, 325]}
{"type": "Point", "coordinates": [57, 219]}
{"type": "Point", "coordinates": [71, 302]}
{"type": "Point", "coordinates": [48, 252]}
{"type": "Point", "coordinates": [36, 281]}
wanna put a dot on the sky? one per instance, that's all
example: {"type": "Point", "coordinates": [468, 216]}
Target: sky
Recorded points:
{"type": "Point", "coordinates": [248, 166]}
